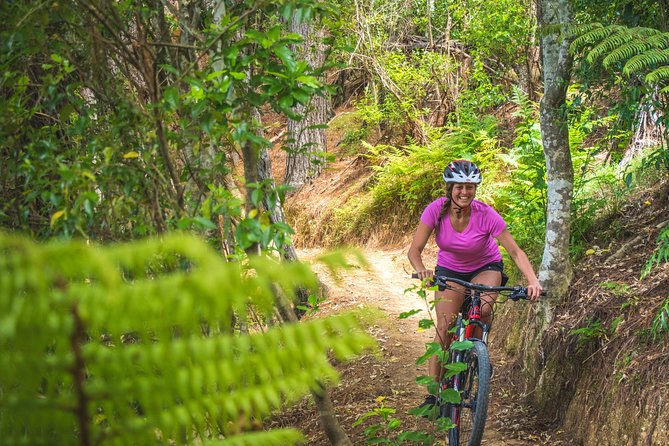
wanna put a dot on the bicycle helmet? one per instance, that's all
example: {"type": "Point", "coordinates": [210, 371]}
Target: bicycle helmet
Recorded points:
{"type": "Point", "coordinates": [462, 171]}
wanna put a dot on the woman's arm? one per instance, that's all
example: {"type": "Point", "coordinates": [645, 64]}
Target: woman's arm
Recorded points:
{"type": "Point", "coordinates": [418, 243]}
{"type": "Point", "coordinates": [520, 259]}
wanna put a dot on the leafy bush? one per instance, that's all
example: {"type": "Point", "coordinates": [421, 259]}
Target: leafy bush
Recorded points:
{"type": "Point", "coordinates": [412, 175]}
{"type": "Point", "coordinates": [136, 344]}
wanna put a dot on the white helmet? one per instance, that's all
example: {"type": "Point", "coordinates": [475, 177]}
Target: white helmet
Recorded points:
{"type": "Point", "coordinates": [462, 171]}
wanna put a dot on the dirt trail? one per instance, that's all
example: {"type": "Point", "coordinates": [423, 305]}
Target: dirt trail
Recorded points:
{"type": "Point", "coordinates": [389, 378]}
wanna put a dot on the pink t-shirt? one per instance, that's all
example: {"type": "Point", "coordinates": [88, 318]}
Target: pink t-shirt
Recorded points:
{"type": "Point", "coordinates": [472, 248]}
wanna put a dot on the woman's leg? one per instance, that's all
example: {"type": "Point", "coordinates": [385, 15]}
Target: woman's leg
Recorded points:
{"type": "Point", "coordinates": [447, 307]}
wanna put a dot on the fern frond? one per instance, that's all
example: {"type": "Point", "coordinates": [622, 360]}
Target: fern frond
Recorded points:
{"type": "Point", "coordinates": [640, 45]}
{"type": "Point", "coordinates": [109, 341]}
{"type": "Point", "coordinates": [595, 34]}
{"type": "Point", "coordinates": [578, 30]}
{"type": "Point", "coordinates": [658, 75]}
{"type": "Point", "coordinates": [660, 40]}
{"type": "Point", "coordinates": [648, 60]}
{"type": "Point", "coordinates": [278, 437]}
{"type": "Point", "coordinates": [625, 52]}
{"type": "Point", "coordinates": [618, 37]}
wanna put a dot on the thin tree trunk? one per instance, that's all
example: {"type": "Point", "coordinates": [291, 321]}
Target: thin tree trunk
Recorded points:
{"type": "Point", "coordinates": [555, 272]}
{"type": "Point", "coordinates": [326, 412]}
{"type": "Point", "coordinates": [307, 142]}
{"type": "Point", "coordinates": [277, 215]}
{"type": "Point", "coordinates": [533, 61]}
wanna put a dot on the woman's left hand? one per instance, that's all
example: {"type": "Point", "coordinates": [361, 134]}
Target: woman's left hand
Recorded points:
{"type": "Point", "coordinates": [534, 291]}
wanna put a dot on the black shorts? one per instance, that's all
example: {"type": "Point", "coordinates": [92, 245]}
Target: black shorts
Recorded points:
{"type": "Point", "coordinates": [467, 277]}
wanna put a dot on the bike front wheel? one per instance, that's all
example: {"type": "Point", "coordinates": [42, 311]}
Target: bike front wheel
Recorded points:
{"type": "Point", "coordinates": [470, 415]}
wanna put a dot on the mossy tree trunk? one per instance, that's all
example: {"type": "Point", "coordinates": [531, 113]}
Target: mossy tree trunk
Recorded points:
{"type": "Point", "coordinates": [555, 272]}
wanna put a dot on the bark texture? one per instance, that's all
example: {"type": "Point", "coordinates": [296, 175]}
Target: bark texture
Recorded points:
{"type": "Point", "coordinates": [307, 144]}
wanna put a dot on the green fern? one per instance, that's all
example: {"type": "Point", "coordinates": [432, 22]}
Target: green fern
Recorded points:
{"type": "Point", "coordinates": [106, 345]}
{"type": "Point", "coordinates": [660, 255]}
{"type": "Point", "coordinates": [630, 50]}
{"type": "Point", "coordinates": [648, 60]}
{"type": "Point", "coordinates": [615, 40]}
{"type": "Point", "coordinates": [585, 35]}
{"type": "Point", "coordinates": [638, 49]}
{"type": "Point", "coordinates": [660, 74]}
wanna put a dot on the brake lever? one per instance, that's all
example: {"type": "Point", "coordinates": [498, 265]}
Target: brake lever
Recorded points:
{"type": "Point", "coordinates": [518, 293]}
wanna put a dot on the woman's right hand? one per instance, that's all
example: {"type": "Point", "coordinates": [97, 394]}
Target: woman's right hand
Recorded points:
{"type": "Point", "coordinates": [425, 274]}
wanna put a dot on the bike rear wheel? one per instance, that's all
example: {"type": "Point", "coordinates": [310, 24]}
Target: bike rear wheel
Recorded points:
{"type": "Point", "coordinates": [470, 415]}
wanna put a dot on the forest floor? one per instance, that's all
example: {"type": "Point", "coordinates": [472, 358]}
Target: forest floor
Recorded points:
{"type": "Point", "coordinates": [388, 377]}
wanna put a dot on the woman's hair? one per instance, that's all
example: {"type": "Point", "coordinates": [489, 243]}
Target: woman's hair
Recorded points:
{"type": "Point", "coordinates": [446, 206]}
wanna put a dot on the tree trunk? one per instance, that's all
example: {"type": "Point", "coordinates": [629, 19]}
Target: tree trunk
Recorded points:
{"type": "Point", "coordinates": [276, 215]}
{"type": "Point", "coordinates": [307, 144]}
{"type": "Point", "coordinates": [326, 412]}
{"type": "Point", "coordinates": [533, 61]}
{"type": "Point", "coordinates": [555, 272]}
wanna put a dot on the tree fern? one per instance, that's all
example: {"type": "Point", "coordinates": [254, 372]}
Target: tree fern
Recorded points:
{"type": "Point", "coordinates": [638, 49]}
{"type": "Point", "coordinates": [586, 35]}
{"type": "Point", "coordinates": [633, 48]}
{"type": "Point", "coordinates": [106, 345]}
{"type": "Point", "coordinates": [619, 37]}
{"type": "Point", "coordinates": [649, 60]}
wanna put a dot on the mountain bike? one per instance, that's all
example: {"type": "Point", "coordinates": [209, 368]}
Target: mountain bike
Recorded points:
{"type": "Point", "coordinates": [473, 383]}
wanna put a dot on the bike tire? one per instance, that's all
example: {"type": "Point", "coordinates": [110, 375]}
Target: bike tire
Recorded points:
{"type": "Point", "coordinates": [474, 404]}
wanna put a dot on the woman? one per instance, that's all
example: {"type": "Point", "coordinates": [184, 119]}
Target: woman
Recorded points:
{"type": "Point", "coordinates": [465, 232]}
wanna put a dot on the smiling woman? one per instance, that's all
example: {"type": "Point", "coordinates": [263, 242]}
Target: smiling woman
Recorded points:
{"type": "Point", "coordinates": [465, 232]}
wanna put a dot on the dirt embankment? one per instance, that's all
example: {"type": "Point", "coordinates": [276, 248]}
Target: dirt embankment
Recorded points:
{"type": "Point", "coordinates": [605, 371]}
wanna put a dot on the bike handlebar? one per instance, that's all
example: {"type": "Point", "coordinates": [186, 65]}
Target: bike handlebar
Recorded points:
{"type": "Point", "coordinates": [515, 293]}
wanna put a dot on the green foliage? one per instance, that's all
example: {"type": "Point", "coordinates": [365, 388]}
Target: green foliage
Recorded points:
{"type": "Point", "coordinates": [523, 196]}
{"type": "Point", "coordinates": [595, 331]}
{"type": "Point", "coordinates": [425, 68]}
{"type": "Point", "coordinates": [136, 344]}
{"type": "Point", "coordinates": [387, 428]}
{"type": "Point", "coordinates": [617, 288]}
{"type": "Point", "coordinates": [660, 254]}
{"type": "Point", "coordinates": [631, 50]}
{"type": "Point", "coordinates": [410, 79]}
{"type": "Point", "coordinates": [412, 175]}
{"type": "Point", "coordinates": [497, 31]}
{"type": "Point", "coordinates": [107, 141]}
{"type": "Point", "coordinates": [660, 326]}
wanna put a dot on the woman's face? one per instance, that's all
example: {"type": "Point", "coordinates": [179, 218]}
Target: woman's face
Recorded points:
{"type": "Point", "coordinates": [463, 194]}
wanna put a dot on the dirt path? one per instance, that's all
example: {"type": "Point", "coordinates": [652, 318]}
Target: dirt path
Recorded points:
{"type": "Point", "coordinates": [389, 378]}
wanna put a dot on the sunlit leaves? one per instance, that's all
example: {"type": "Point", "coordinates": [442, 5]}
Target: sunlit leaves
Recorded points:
{"type": "Point", "coordinates": [80, 103]}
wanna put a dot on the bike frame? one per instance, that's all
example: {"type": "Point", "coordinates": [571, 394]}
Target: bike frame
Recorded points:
{"type": "Point", "coordinates": [471, 312]}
